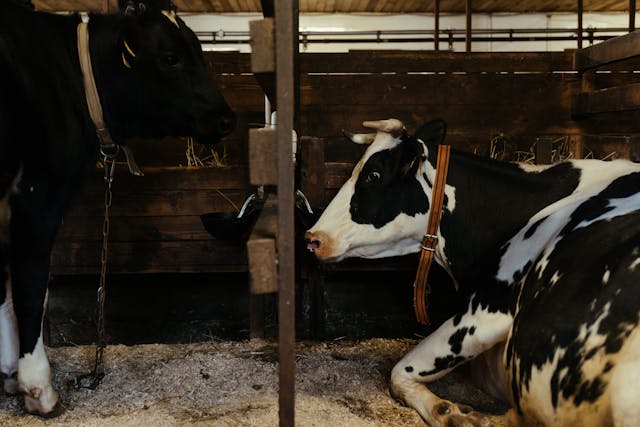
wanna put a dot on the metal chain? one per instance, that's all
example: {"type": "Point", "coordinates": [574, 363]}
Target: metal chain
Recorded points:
{"type": "Point", "coordinates": [93, 379]}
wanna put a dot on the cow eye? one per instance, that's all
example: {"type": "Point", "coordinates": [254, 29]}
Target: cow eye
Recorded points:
{"type": "Point", "coordinates": [374, 176]}
{"type": "Point", "coordinates": [171, 60]}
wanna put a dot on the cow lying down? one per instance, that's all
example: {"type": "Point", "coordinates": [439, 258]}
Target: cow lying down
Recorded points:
{"type": "Point", "coordinates": [548, 259]}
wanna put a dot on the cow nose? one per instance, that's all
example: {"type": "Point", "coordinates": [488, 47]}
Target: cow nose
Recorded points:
{"type": "Point", "coordinates": [226, 124]}
{"type": "Point", "coordinates": [312, 242]}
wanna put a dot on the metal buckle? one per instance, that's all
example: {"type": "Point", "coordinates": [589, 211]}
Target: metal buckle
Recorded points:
{"type": "Point", "coordinates": [431, 237]}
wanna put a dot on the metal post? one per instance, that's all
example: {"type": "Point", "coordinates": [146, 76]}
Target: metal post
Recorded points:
{"type": "Point", "coordinates": [105, 6]}
{"type": "Point", "coordinates": [632, 15]}
{"type": "Point", "coordinates": [580, 10]}
{"type": "Point", "coordinates": [468, 37]}
{"type": "Point", "coordinates": [436, 31]}
{"type": "Point", "coordinates": [286, 16]}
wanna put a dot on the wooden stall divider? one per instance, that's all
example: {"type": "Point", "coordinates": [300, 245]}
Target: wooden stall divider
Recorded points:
{"type": "Point", "coordinates": [274, 245]}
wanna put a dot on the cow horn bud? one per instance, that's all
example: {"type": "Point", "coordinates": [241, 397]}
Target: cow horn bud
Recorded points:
{"type": "Point", "coordinates": [360, 138]}
{"type": "Point", "coordinates": [391, 126]}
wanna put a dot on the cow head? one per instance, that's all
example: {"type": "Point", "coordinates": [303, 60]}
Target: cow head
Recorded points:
{"type": "Point", "coordinates": [153, 76]}
{"type": "Point", "coordinates": [382, 209]}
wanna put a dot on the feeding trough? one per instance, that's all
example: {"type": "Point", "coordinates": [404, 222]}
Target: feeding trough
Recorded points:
{"type": "Point", "coordinates": [234, 226]}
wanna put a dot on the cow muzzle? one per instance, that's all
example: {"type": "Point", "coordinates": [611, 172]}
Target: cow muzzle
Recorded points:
{"type": "Point", "coordinates": [321, 244]}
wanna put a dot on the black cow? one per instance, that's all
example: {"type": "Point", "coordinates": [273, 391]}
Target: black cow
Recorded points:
{"type": "Point", "coordinates": [152, 81]}
{"type": "Point", "coordinates": [547, 257]}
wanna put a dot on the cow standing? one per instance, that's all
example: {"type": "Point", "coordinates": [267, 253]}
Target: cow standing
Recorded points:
{"type": "Point", "coordinates": [548, 258]}
{"type": "Point", "coordinates": [152, 81]}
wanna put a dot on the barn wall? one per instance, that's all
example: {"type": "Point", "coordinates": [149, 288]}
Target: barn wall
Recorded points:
{"type": "Point", "coordinates": [498, 104]}
{"type": "Point", "coordinates": [494, 103]}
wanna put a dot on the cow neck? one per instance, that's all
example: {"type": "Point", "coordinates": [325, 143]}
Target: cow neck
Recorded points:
{"type": "Point", "coordinates": [430, 238]}
{"type": "Point", "coordinates": [107, 144]}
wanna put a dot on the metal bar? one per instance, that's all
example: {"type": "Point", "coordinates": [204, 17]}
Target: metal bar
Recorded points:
{"type": "Point", "coordinates": [436, 29]}
{"type": "Point", "coordinates": [286, 14]}
{"type": "Point", "coordinates": [468, 16]}
{"type": "Point", "coordinates": [632, 15]}
{"type": "Point", "coordinates": [580, 29]}
{"type": "Point", "coordinates": [105, 6]}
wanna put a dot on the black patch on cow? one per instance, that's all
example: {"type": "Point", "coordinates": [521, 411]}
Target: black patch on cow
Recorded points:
{"type": "Point", "coordinates": [551, 316]}
{"type": "Point", "coordinates": [449, 361]}
{"type": "Point", "coordinates": [409, 369]}
{"type": "Point", "coordinates": [494, 200]}
{"type": "Point", "coordinates": [532, 229]}
{"type": "Point", "coordinates": [387, 186]}
{"type": "Point", "coordinates": [456, 340]}
{"type": "Point", "coordinates": [472, 330]}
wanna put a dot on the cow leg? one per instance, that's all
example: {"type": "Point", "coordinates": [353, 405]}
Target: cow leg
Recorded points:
{"type": "Point", "coordinates": [8, 327]}
{"type": "Point", "coordinates": [458, 340]}
{"type": "Point", "coordinates": [8, 336]}
{"type": "Point", "coordinates": [31, 242]}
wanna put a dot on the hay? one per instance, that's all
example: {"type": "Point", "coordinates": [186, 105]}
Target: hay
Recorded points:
{"type": "Point", "coordinates": [205, 156]}
{"type": "Point", "coordinates": [235, 384]}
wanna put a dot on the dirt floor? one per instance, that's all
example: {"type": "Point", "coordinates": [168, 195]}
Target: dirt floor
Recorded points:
{"type": "Point", "coordinates": [339, 383]}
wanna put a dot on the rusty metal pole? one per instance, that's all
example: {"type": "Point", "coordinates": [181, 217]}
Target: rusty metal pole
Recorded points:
{"type": "Point", "coordinates": [286, 16]}
{"type": "Point", "coordinates": [468, 36]}
{"type": "Point", "coordinates": [632, 15]}
{"type": "Point", "coordinates": [436, 30]}
{"type": "Point", "coordinates": [580, 11]}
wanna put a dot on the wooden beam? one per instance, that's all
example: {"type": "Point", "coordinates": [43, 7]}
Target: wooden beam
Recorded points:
{"type": "Point", "coordinates": [619, 98]}
{"type": "Point", "coordinates": [286, 14]}
{"type": "Point", "coordinates": [580, 12]}
{"type": "Point", "coordinates": [436, 31]}
{"type": "Point", "coordinates": [263, 159]}
{"type": "Point", "coordinates": [312, 169]}
{"type": "Point", "coordinates": [632, 15]}
{"type": "Point", "coordinates": [609, 51]}
{"type": "Point", "coordinates": [468, 13]}
{"type": "Point", "coordinates": [261, 251]}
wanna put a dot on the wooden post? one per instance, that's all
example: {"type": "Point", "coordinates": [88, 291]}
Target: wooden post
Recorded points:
{"type": "Point", "coordinates": [580, 10]}
{"type": "Point", "coordinates": [468, 37]}
{"type": "Point", "coordinates": [105, 6]}
{"type": "Point", "coordinates": [436, 30]}
{"type": "Point", "coordinates": [632, 15]}
{"type": "Point", "coordinates": [312, 184]}
{"type": "Point", "coordinates": [286, 14]}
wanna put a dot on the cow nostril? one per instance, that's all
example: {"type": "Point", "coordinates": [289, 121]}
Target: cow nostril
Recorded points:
{"type": "Point", "coordinates": [226, 124]}
{"type": "Point", "coordinates": [312, 242]}
{"type": "Point", "coordinates": [312, 245]}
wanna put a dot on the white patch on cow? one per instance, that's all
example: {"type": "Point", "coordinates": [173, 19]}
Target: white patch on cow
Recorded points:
{"type": "Point", "coordinates": [554, 279]}
{"type": "Point", "coordinates": [536, 399]}
{"type": "Point", "coordinates": [624, 390]}
{"type": "Point", "coordinates": [634, 264]}
{"type": "Point", "coordinates": [593, 179]}
{"type": "Point", "coordinates": [605, 276]}
{"type": "Point", "coordinates": [531, 168]}
{"type": "Point", "coordinates": [34, 378]}
{"type": "Point", "coordinates": [619, 207]}
{"type": "Point", "coordinates": [171, 16]}
{"type": "Point", "coordinates": [9, 345]}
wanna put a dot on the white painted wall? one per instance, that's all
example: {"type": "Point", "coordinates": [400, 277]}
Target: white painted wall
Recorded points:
{"type": "Point", "coordinates": [223, 24]}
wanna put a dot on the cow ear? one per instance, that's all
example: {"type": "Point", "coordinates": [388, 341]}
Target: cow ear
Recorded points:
{"type": "Point", "coordinates": [432, 133]}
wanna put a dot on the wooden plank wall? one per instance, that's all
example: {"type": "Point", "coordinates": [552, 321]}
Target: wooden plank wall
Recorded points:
{"type": "Point", "coordinates": [512, 99]}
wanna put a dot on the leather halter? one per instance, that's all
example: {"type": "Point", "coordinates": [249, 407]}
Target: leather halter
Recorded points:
{"type": "Point", "coordinates": [93, 101]}
{"type": "Point", "coordinates": [430, 239]}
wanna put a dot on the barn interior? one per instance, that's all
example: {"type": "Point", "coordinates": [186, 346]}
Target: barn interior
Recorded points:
{"type": "Point", "coordinates": [534, 81]}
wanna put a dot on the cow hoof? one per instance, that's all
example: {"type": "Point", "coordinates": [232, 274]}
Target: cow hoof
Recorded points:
{"type": "Point", "coordinates": [451, 415]}
{"type": "Point", "coordinates": [10, 383]}
{"type": "Point", "coordinates": [42, 402]}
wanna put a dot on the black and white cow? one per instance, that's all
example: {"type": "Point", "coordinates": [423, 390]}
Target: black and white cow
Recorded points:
{"type": "Point", "coordinates": [548, 259]}
{"type": "Point", "coordinates": [152, 81]}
